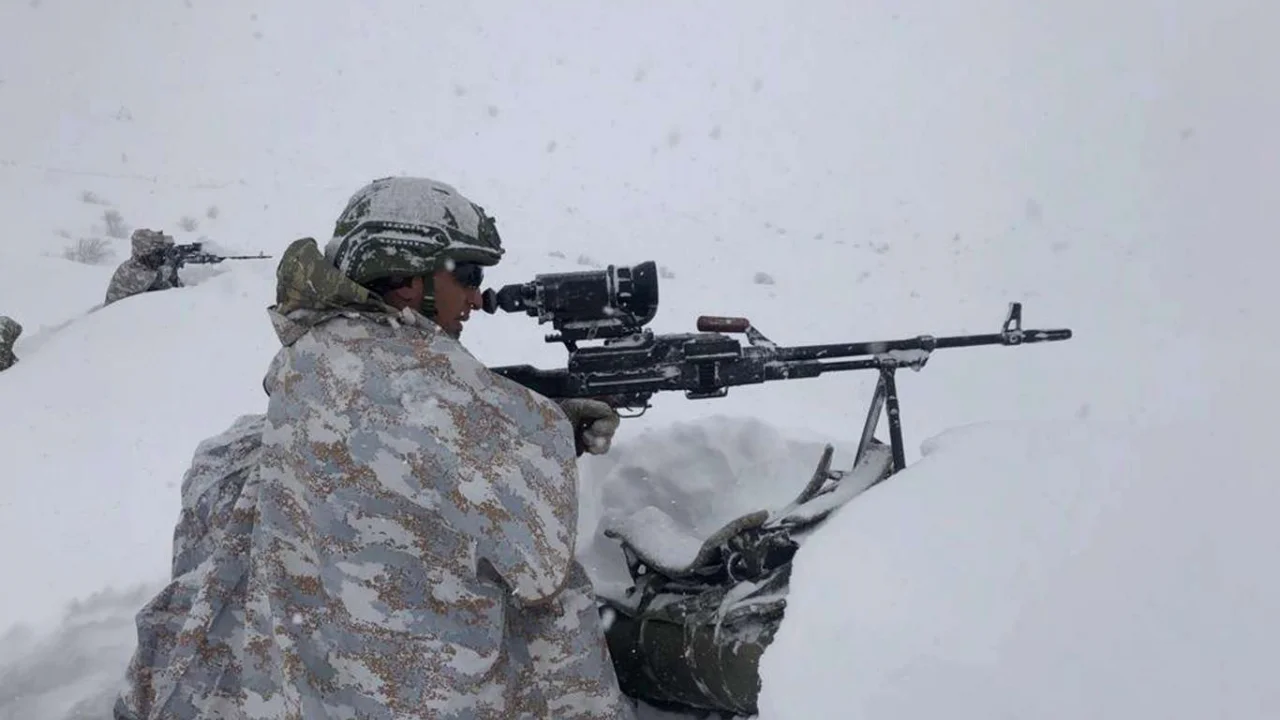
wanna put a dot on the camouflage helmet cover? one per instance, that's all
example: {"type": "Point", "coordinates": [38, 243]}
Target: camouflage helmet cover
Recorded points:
{"type": "Point", "coordinates": [10, 329]}
{"type": "Point", "coordinates": [146, 242]}
{"type": "Point", "coordinates": [405, 226]}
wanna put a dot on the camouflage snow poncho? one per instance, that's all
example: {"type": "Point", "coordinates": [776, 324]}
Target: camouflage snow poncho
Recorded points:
{"type": "Point", "coordinates": [135, 276]}
{"type": "Point", "coordinates": [393, 539]}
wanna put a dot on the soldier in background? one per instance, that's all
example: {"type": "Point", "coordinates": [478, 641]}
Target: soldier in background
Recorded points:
{"type": "Point", "coordinates": [9, 332]}
{"type": "Point", "coordinates": [152, 266]}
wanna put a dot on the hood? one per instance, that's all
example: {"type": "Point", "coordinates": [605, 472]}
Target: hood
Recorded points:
{"type": "Point", "coordinates": [145, 242]}
{"type": "Point", "coordinates": [10, 329]}
{"type": "Point", "coordinates": [310, 290]}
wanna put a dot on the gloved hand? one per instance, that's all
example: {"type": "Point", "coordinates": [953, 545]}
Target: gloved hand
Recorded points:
{"type": "Point", "coordinates": [594, 424]}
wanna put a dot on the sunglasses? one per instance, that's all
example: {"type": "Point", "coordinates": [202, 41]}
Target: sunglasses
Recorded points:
{"type": "Point", "coordinates": [468, 274]}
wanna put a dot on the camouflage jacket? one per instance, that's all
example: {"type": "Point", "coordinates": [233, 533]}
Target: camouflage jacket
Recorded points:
{"type": "Point", "coordinates": [394, 538]}
{"type": "Point", "coordinates": [133, 277]}
{"type": "Point", "coordinates": [9, 332]}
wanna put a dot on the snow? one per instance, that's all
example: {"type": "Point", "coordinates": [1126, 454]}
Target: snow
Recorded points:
{"type": "Point", "coordinates": [107, 425]}
{"type": "Point", "coordinates": [1064, 570]}
{"type": "Point", "coordinates": [701, 475]}
{"type": "Point", "coordinates": [81, 288]}
{"type": "Point", "coordinates": [658, 538]}
{"type": "Point", "coordinates": [1084, 528]}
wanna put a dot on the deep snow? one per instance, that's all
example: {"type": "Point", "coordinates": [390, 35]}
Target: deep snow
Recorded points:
{"type": "Point", "coordinates": [1052, 571]}
{"type": "Point", "coordinates": [1088, 532]}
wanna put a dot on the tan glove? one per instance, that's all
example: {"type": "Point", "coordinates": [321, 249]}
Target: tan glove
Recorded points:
{"type": "Point", "coordinates": [594, 424]}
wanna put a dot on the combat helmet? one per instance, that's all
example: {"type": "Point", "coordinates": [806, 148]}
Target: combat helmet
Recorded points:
{"type": "Point", "coordinates": [397, 227]}
{"type": "Point", "coordinates": [148, 242]}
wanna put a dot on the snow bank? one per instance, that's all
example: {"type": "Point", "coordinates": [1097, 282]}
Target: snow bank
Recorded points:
{"type": "Point", "coordinates": [46, 293]}
{"type": "Point", "coordinates": [99, 426]}
{"type": "Point", "coordinates": [1065, 571]}
{"type": "Point", "coordinates": [73, 672]}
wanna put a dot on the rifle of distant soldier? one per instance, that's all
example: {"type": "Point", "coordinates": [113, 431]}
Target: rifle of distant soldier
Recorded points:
{"type": "Point", "coordinates": [194, 254]}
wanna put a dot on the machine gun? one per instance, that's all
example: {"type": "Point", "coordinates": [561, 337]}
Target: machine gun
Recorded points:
{"type": "Point", "coordinates": [194, 254]}
{"type": "Point", "coordinates": [689, 632]}
{"type": "Point", "coordinates": [633, 363]}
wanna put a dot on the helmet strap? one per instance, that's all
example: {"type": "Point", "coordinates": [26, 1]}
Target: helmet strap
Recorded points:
{"type": "Point", "coordinates": [428, 305]}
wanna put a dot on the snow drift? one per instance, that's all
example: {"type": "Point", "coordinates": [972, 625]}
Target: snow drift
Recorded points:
{"type": "Point", "coordinates": [1060, 571]}
{"type": "Point", "coordinates": [99, 426]}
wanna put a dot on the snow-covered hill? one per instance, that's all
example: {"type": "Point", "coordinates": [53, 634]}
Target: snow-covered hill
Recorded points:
{"type": "Point", "coordinates": [1088, 532]}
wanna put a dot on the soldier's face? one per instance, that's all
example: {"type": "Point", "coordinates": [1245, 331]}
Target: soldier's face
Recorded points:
{"type": "Point", "coordinates": [454, 300]}
{"type": "Point", "coordinates": [152, 259]}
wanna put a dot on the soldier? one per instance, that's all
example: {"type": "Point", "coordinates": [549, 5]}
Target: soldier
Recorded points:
{"type": "Point", "coordinates": [394, 538]}
{"type": "Point", "coordinates": [9, 332]}
{"type": "Point", "coordinates": [150, 267]}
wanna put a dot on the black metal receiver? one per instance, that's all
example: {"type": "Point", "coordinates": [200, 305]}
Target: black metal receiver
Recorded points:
{"type": "Point", "coordinates": [633, 363]}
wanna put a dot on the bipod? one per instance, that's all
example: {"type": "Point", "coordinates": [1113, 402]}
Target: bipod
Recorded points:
{"type": "Point", "coordinates": [884, 398]}
{"type": "Point", "coordinates": [887, 363]}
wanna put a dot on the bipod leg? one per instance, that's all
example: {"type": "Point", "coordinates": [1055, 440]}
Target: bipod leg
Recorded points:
{"type": "Point", "coordinates": [873, 420]}
{"type": "Point", "coordinates": [895, 418]}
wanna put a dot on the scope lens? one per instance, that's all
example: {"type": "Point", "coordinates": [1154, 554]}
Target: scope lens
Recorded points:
{"type": "Point", "coordinates": [616, 297]}
{"type": "Point", "coordinates": [643, 291]}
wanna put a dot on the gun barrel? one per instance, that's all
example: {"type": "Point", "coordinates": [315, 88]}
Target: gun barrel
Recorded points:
{"type": "Point", "coordinates": [923, 342]}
